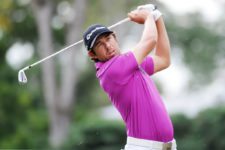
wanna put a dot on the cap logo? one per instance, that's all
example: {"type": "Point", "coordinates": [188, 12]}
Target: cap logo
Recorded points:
{"type": "Point", "coordinates": [90, 34]}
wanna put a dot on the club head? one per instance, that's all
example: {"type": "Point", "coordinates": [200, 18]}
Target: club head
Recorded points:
{"type": "Point", "coordinates": [22, 77]}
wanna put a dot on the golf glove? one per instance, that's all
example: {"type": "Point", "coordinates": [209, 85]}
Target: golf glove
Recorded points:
{"type": "Point", "coordinates": [156, 14]}
{"type": "Point", "coordinates": [152, 9]}
{"type": "Point", "coordinates": [149, 7]}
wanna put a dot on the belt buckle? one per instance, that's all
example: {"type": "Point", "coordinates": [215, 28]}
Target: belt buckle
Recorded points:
{"type": "Point", "coordinates": [167, 146]}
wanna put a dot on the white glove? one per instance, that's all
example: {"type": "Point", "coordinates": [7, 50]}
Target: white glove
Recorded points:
{"type": "Point", "coordinates": [149, 7]}
{"type": "Point", "coordinates": [152, 9]}
{"type": "Point", "coordinates": [156, 14]}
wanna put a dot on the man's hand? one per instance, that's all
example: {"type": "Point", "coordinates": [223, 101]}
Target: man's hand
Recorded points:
{"type": "Point", "coordinates": [139, 16]}
{"type": "Point", "coordinates": [151, 9]}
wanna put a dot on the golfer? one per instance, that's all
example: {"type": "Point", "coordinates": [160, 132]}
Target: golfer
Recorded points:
{"type": "Point", "coordinates": [126, 79]}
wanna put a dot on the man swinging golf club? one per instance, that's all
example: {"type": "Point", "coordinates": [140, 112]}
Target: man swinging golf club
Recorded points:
{"type": "Point", "coordinates": [126, 79]}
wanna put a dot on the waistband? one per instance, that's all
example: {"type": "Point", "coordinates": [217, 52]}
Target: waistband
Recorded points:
{"type": "Point", "coordinates": [152, 144]}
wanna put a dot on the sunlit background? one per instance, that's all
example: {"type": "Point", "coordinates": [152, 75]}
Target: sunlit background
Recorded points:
{"type": "Point", "coordinates": [62, 105]}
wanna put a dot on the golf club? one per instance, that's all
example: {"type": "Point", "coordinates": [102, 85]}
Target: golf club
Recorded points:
{"type": "Point", "coordinates": [21, 74]}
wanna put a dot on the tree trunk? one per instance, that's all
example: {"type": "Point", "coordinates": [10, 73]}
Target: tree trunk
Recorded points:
{"type": "Point", "coordinates": [43, 14]}
{"type": "Point", "coordinates": [70, 65]}
{"type": "Point", "coordinates": [59, 105]}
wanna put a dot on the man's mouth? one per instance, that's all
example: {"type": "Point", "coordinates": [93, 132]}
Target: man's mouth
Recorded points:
{"type": "Point", "coordinates": [112, 53]}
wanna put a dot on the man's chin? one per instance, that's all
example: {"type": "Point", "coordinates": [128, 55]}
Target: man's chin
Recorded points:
{"type": "Point", "coordinates": [109, 57]}
{"type": "Point", "coordinates": [113, 55]}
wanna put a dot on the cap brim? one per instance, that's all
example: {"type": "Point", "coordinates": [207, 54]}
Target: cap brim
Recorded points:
{"type": "Point", "coordinates": [96, 37]}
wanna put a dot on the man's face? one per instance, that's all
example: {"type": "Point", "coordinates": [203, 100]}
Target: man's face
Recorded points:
{"type": "Point", "coordinates": [105, 47]}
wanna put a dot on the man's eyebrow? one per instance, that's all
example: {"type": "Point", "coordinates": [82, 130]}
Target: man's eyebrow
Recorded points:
{"type": "Point", "coordinates": [107, 35]}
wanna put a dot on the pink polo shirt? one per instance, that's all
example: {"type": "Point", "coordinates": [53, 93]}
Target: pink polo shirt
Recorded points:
{"type": "Point", "coordinates": [135, 96]}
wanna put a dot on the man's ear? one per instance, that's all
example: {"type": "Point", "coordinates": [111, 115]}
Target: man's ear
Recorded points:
{"type": "Point", "coordinates": [92, 55]}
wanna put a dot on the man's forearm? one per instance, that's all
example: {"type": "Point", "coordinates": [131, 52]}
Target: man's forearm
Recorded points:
{"type": "Point", "coordinates": [150, 31]}
{"type": "Point", "coordinates": [149, 36]}
{"type": "Point", "coordinates": [163, 44]}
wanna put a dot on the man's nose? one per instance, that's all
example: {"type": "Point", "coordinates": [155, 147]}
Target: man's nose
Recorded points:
{"type": "Point", "coordinates": [108, 45]}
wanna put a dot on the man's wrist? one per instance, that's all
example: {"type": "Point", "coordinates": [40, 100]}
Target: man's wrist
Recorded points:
{"type": "Point", "coordinates": [156, 14]}
{"type": "Point", "coordinates": [149, 17]}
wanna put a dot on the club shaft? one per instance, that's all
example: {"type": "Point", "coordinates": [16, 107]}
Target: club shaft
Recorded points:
{"type": "Point", "coordinates": [119, 23]}
{"type": "Point", "coordinates": [52, 55]}
{"type": "Point", "coordinates": [72, 45]}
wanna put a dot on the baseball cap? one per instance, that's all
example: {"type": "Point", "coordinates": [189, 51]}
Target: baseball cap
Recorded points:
{"type": "Point", "coordinates": [92, 33]}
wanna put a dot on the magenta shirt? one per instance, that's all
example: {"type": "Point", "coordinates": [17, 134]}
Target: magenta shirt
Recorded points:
{"type": "Point", "coordinates": [134, 94]}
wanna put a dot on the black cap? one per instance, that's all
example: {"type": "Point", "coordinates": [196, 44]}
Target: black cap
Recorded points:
{"type": "Point", "coordinates": [92, 33]}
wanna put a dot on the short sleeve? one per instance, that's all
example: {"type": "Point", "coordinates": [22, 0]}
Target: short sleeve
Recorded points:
{"type": "Point", "coordinates": [148, 65]}
{"type": "Point", "coordinates": [123, 68]}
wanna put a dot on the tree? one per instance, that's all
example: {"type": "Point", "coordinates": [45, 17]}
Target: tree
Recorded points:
{"type": "Point", "coordinates": [59, 97]}
{"type": "Point", "coordinates": [18, 106]}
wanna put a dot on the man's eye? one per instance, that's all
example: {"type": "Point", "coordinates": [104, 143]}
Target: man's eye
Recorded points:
{"type": "Point", "coordinates": [98, 44]}
{"type": "Point", "coordinates": [108, 38]}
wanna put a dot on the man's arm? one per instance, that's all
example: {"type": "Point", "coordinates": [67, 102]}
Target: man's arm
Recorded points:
{"type": "Point", "coordinates": [161, 57]}
{"type": "Point", "coordinates": [149, 35]}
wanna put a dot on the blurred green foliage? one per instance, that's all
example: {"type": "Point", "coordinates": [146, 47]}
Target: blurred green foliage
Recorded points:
{"type": "Point", "coordinates": [96, 134]}
{"type": "Point", "coordinates": [23, 119]}
{"type": "Point", "coordinates": [204, 132]}
{"type": "Point", "coordinates": [21, 115]}
{"type": "Point", "coordinates": [201, 44]}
